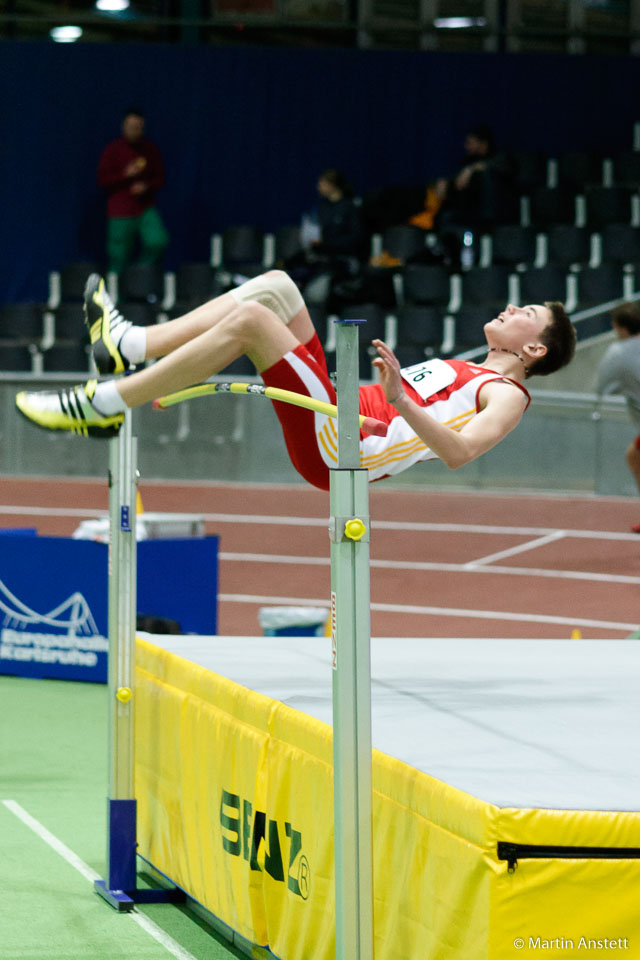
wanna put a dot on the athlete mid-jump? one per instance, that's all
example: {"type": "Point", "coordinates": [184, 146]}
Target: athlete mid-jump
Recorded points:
{"type": "Point", "coordinates": [447, 409]}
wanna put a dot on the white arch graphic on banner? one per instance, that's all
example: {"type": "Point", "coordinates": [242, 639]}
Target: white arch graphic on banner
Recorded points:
{"type": "Point", "coordinates": [78, 619]}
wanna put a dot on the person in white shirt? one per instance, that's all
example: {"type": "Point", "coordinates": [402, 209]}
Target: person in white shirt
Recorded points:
{"type": "Point", "coordinates": [619, 373]}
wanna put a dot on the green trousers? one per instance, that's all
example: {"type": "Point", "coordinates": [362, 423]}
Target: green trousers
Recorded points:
{"type": "Point", "coordinates": [123, 233]}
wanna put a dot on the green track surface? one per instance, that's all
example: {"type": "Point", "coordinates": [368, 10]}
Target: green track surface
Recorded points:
{"type": "Point", "coordinates": [54, 765]}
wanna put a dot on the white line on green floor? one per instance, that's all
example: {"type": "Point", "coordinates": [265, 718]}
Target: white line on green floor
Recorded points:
{"type": "Point", "coordinates": [158, 934]}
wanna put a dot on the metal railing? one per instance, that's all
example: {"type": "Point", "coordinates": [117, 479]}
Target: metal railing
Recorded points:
{"type": "Point", "coordinates": [567, 441]}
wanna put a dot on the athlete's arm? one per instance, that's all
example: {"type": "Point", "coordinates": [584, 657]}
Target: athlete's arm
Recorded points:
{"type": "Point", "coordinates": [502, 405]}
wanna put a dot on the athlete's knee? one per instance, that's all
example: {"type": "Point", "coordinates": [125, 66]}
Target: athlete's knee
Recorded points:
{"type": "Point", "coordinates": [250, 317]}
{"type": "Point", "coordinates": [275, 290]}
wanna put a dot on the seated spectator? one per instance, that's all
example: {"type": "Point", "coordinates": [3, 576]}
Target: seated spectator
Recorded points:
{"type": "Point", "coordinates": [481, 194]}
{"type": "Point", "coordinates": [338, 217]}
{"type": "Point", "coordinates": [332, 235]}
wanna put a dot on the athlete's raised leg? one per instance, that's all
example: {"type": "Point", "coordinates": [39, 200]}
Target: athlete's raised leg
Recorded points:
{"type": "Point", "coordinates": [97, 409]}
{"type": "Point", "coordinates": [118, 345]}
{"type": "Point", "coordinates": [248, 329]}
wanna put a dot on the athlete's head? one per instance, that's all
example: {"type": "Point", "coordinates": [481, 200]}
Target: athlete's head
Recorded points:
{"type": "Point", "coordinates": [559, 337]}
{"type": "Point", "coordinates": [541, 334]}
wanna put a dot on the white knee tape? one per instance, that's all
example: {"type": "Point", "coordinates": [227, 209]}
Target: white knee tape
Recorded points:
{"type": "Point", "coordinates": [276, 290]}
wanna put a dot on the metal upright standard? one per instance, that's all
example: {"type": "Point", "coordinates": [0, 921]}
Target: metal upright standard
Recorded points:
{"type": "Point", "coordinates": [119, 889]}
{"type": "Point", "coordinates": [350, 632]}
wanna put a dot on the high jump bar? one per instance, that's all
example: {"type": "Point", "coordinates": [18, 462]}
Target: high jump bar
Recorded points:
{"type": "Point", "coordinates": [367, 424]}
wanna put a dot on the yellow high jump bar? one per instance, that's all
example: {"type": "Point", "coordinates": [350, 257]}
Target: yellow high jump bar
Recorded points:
{"type": "Point", "coordinates": [367, 424]}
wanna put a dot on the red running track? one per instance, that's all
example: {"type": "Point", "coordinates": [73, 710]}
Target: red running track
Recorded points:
{"type": "Point", "coordinates": [443, 564]}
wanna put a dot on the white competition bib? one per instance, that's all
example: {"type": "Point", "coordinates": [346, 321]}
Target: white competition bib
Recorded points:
{"type": "Point", "coordinates": [429, 377]}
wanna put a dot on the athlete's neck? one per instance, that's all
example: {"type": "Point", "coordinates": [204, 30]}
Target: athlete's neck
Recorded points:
{"type": "Point", "coordinates": [500, 358]}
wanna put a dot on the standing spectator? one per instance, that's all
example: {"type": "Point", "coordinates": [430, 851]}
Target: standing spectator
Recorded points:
{"type": "Point", "coordinates": [619, 372]}
{"type": "Point", "coordinates": [131, 171]}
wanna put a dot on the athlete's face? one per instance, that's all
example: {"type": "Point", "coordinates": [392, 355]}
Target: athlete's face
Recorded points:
{"type": "Point", "coordinates": [516, 327]}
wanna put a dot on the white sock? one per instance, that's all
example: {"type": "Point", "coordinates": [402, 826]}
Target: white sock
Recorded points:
{"type": "Point", "coordinates": [133, 344]}
{"type": "Point", "coordinates": [107, 400]}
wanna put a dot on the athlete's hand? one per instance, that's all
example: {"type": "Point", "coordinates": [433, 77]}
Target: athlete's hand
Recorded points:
{"type": "Point", "coordinates": [388, 367]}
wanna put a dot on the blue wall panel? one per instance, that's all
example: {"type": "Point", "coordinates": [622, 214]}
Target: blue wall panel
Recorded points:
{"type": "Point", "coordinates": [244, 132]}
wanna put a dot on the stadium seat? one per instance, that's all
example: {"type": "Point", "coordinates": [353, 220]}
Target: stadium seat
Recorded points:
{"type": "Point", "coordinates": [69, 322]}
{"type": "Point", "coordinates": [486, 285]}
{"type": "Point", "coordinates": [375, 317]}
{"type": "Point", "coordinates": [578, 169]}
{"type": "Point", "coordinates": [22, 322]}
{"type": "Point", "coordinates": [195, 283]}
{"type": "Point", "coordinates": [141, 283]}
{"type": "Point", "coordinates": [607, 205]}
{"type": "Point", "coordinates": [404, 242]}
{"type": "Point", "coordinates": [626, 168]}
{"type": "Point", "coordinates": [567, 244]}
{"type": "Point", "coordinates": [287, 244]}
{"type": "Point", "coordinates": [419, 333]}
{"type": "Point", "coordinates": [530, 170]}
{"type": "Point", "coordinates": [243, 250]}
{"type": "Point", "coordinates": [620, 242]}
{"type": "Point", "coordinates": [538, 284]}
{"type": "Point", "coordinates": [596, 285]}
{"type": "Point", "coordinates": [425, 283]}
{"type": "Point", "coordinates": [16, 358]}
{"type": "Point", "coordinates": [469, 327]}
{"type": "Point", "coordinates": [67, 357]}
{"type": "Point", "coordinates": [512, 244]}
{"type": "Point", "coordinates": [552, 205]}
{"type": "Point", "coordinates": [67, 285]}
{"type": "Point", "coordinates": [140, 314]}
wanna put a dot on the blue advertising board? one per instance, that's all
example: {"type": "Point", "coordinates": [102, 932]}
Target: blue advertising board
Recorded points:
{"type": "Point", "coordinates": [54, 600]}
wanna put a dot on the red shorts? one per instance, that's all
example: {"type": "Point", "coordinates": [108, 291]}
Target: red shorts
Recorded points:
{"type": "Point", "coordinates": [298, 424]}
{"type": "Point", "coordinates": [637, 442]}
{"type": "Point", "coordinates": [304, 370]}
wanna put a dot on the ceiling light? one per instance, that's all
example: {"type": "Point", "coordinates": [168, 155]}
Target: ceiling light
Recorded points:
{"type": "Point", "coordinates": [65, 34]}
{"type": "Point", "coordinates": [112, 6]}
{"type": "Point", "coordinates": [459, 23]}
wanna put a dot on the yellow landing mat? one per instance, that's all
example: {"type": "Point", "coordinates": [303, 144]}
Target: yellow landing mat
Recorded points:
{"type": "Point", "coordinates": [235, 805]}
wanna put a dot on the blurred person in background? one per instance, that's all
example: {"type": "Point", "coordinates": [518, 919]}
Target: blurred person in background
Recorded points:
{"type": "Point", "coordinates": [619, 373]}
{"type": "Point", "coordinates": [131, 172]}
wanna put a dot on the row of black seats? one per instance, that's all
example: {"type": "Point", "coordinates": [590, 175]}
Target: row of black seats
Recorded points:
{"type": "Point", "coordinates": [576, 169]}
{"type": "Point", "coordinates": [568, 221]}
{"type": "Point", "coordinates": [562, 244]}
{"type": "Point", "coordinates": [40, 339]}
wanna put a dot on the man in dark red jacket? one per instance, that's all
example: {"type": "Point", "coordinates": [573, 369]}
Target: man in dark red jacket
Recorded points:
{"type": "Point", "coordinates": [131, 171]}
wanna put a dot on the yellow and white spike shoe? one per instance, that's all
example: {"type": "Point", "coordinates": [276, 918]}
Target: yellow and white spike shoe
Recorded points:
{"type": "Point", "coordinates": [106, 327]}
{"type": "Point", "coordinates": [70, 409]}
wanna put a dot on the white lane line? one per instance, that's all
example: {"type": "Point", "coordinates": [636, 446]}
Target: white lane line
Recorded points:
{"type": "Point", "coordinates": [12, 510]}
{"type": "Point", "coordinates": [474, 567]}
{"type": "Point", "coordinates": [437, 611]}
{"type": "Point", "coordinates": [170, 945]}
{"type": "Point", "coordinates": [158, 934]}
{"type": "Point", "coordinates": [60, 848]}
{"type": "Point", "coordinates": [271, 520]}
{"type": "Point", "coordinates": [521, 548]}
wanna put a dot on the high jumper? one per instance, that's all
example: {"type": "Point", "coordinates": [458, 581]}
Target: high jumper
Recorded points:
{"type": "Point", "coordinates": [453, 410]}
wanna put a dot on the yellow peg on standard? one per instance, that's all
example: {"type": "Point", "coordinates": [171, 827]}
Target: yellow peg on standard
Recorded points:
{"type": "Point", "coordinates": [354, 529]}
